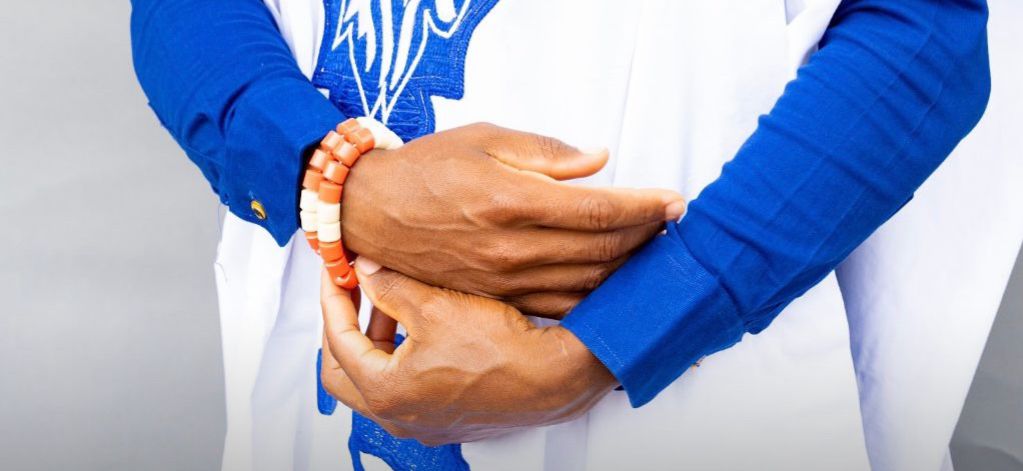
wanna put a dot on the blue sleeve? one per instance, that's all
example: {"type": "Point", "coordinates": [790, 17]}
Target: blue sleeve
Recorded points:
{"type": "Point", "coordinates": [893, 88]}
{"type": "Point", "coordinates": [224, 83]}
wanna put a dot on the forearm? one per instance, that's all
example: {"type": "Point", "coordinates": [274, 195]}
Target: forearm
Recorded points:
{"type": "Point", "coordinates": [223, 82]}
{"type": "Point", "coordinates": [893, 88]}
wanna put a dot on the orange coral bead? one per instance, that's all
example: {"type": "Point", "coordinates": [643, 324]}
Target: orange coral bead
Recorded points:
{"type": "Point", "coordinates": [312, 180]}
{"type": "Point", "coordinates": [331, 140]}
{"type": "Point", "coordinates": [319, 159]}
{"type": "Point", "coordinates": [336, 172]}
{"type": "Point", "coordinates": [337, 269]}
{"type": "Point", "coordinates": [332, 252]}
{"type": "Point", "coordinates": [346, 153]}
{"type": "Point", "coordinates": [313, 241]}
{"type": "Point", "coordinates": [330, 192]}
{"type": "Point", "coordinates": [348, 281]}
{"type": "Point", "coordinates": [362, 139]}
{"type": "Point", "coordinates": [348, 126]}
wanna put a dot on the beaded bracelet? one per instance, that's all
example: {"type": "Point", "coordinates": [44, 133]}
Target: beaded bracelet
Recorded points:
{"type": "Point", "coordinates": [323, 184]}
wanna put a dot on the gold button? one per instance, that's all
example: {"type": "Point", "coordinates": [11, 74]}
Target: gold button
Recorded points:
{"type": "Point", "coordinates": [257, 209]}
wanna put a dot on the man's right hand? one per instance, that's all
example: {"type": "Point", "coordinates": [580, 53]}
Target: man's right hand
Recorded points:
{"type": "Point", "coordinates": [479, 209]}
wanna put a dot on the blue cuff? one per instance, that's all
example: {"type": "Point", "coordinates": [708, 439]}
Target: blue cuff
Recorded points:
{"type": "Point", "coordinates": [655, 317]}
{"type": "Point", "coordinates": [273, 128]}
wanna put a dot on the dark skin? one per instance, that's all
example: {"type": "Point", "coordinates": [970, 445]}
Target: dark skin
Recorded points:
{"type": "Point", "coordinates": [475, 231]}
{"type": "Point", "coordinates": [479, 209]}
{"type": "Point", "coordinates": [471, 367]}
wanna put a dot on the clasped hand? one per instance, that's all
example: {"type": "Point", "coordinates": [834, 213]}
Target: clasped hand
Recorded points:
{"type": "Point", "coordinates": [473, 226]}
{"type": "Point", "coordinates": [470, 367]}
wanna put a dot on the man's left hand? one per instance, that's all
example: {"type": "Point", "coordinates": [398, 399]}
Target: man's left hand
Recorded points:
{"type": "Point", "coordinates": [470, 368]}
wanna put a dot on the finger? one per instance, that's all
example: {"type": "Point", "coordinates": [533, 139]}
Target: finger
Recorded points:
{"type": "Point", "coordinates": [356, 295]}
{"type": "Point", "coordinates": [556, 246]}
{"type": "Point", "coordinates": [564, 277]}
{"type": "Point", "coordinates": [551, 305]}
{"type": "Point", "coordinates": [381, 330]}
{"type": "Point", "coordinates": [542, 154]}
{"type": "Point", "coordinates": [397, 295]}
{"type": "Point", "coordinates": [353, 350]}
{"type": "Point", "coordinates": [338, 384]}
{"type": "Point", "coordinates": [599, 209]}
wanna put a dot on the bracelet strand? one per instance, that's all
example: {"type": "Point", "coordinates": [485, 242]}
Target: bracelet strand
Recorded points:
{"type": "Point", "coordinates": [323, 186]}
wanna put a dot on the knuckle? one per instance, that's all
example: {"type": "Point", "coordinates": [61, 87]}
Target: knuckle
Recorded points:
{"type": "Point", "coordinates": [504, 255]}
{"type": "Point", "coordinates": [610, 246]}
{"type": "Point", "coordinates": [598, 211]}
{"type": "Point", "coordinates": [502, 208]}
{"type": "Point", "coordinates": [390, 286]}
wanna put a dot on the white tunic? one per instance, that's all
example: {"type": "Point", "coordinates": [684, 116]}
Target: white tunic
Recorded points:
{"type": "Point", "coordinates": [673, 88]}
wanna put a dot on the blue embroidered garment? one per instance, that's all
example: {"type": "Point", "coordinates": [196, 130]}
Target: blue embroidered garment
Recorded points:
{"type": "Point", "coordinates": [893, 88]}
{"type": "Point", "coordinates": [387, 58]}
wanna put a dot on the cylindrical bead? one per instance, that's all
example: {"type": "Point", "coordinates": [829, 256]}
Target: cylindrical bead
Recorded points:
{"type": "Point", "coordinates": [330, 232]}
{"type": "Point", "coordinates": [348, 126]}
{"type": "Point", "coordinates": [336, 172]}
{"type": "Point", "coordinates": [319, 159]}
{"type": "Point", "coordinates": [314, 242]}
{"type": "Point", "coordinates": [308, 200]}
{"type": "Point", "coordinates": [331, 140]}
{"type": "Point", "coordinates": [347, 281]}
{"type": "Point", "coordinates": [346, 153]}
{"type": "Point", "coordinates": [327, 213]}
{"type": "Point", "coordinates": [362, 139]}
{"type": "Point", "coordinates": [330, 192]}
{"type": "Point", "coordinates": [312, 180]}
{"type": "Point", "coordinates": [332, 251]}
{"type": "Point", "coordinates": [310, 222]}
{"type": "Point", "coordinates": [337, 269]}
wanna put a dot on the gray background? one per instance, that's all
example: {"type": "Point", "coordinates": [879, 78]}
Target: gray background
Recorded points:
{"type": "Point", "coordinates": [109, 341]}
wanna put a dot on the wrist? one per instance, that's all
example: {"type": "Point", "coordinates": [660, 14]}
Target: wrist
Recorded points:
{"type": "Point", "coordinates": [582, 367]}
{"type": "Point", "coordinates": [363, 210]}
{"type": "Point", "coordinates": [323, 186]}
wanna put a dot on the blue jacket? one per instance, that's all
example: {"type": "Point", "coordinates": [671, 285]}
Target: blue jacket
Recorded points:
{"type": "Point", "coordinates": [894, 87]}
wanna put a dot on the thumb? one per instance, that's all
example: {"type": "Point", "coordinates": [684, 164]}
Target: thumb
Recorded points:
{"type": "Point", "coordinates": [544, 154]}
{"type": "Point", "coordinates": [393, 293]}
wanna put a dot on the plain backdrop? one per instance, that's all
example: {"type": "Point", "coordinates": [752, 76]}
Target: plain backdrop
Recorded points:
{"type": "Point", "coordinates": [109, 334]}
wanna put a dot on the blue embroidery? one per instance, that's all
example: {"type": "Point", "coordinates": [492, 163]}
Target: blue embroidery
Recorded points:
{"type": "Point", "coordinates": [387, 58]}
{"type": "Point", "coordinates": [400, 454]}
{"type": "Point", "coordinates": [325, 403]}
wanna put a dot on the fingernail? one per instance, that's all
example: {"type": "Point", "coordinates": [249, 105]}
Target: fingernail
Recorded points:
{"type": "Point", "coordinates": [365, 266]}
{"type": "Point", "coordinates": [675, 210]}
{"type": "Point", "coordinates": [593, 150]}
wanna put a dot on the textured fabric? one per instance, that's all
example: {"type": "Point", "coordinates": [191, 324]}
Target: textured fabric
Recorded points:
{"type": "Point", "coordinates": [428, 39]}
{"type": "Point", "coordinates": [892, 90]}
{"type": "Point", "coordinates": [400, 454]}
{"type": "Point", "coordinates": [224, 83]}
{"type": "Point", "coordinates": [550, 107]}
{"type": "Point", "coordinates": [325, 403]}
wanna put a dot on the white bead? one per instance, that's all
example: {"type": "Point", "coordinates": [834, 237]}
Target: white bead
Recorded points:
{"type": "Point", "coordinates": [330, 232]}
{"type": "Point", "coordinates": [383, 137]}
{"type": "Point", "coordinates": [308, 200]}
{"type": "Point", "coordinates": [327, 213]}
{"type": "Point", "coordinates": [309, 221]}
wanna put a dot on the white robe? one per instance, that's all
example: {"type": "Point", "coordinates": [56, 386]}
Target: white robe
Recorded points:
{"type": "Point", "coordinates": [673, 88]}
